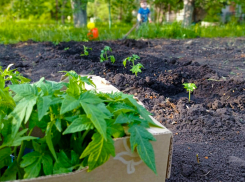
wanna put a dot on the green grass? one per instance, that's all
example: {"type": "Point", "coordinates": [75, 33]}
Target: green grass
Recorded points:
{"type": "Point", "coordinates": [16, 31]}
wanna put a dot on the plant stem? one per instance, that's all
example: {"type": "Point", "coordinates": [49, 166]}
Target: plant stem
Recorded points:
{"type": "Point", "coordinates": [22, 148]}
{"type": "Point", "coordinates": [189, 95]}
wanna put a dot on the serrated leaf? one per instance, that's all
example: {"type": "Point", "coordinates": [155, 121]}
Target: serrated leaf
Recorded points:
{"type": "Point", "coordinates": [46, 89]}
{"type": "Point", "coordinates": [54, 85]}
{"type": "Point", "coordinates": [139, 139]}
{"type": "Point", "coordinates": [90, 98]}
{"type": "Point", "coordinates": [118, 108]}
{"type": "Point", "coordinates": [5, 159]}
{"type": "Point", "coordinates": [104, 110]}
{"type": "Point", "coordinates": [99, 151]}
{"type": "Point", "coordinates": [136, 68]}
{"type": "Point", "coordinates": [115, 130]}
{"type": "Point", "coordinates": [87, 80]}
{"type": "Point", "coordinates": [97, 118]}
{"type": "Point", "coordinates": [24, 90]}
{"type": "Point", "coordinates": [47, 163]}
{"type": "Point", "coordinates": [43, 104]}
{"type": "Point", "coordinates": [68, 104]}
{"type": "Point", "coordinates": [142, 111]}
{"type": "Point", "coordinates": [79, 124]}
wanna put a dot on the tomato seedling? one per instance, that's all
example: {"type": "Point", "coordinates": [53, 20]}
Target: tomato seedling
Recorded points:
{"type": "Point", "coordinates": [76, 122]}
{"type": "Point", "coordinates": [135, 68]}
{"type": "Point", "coordinates": [104, 53]}
{"type": "Point", "coordinates": [85, 51]}
{"type": "Point", "coordinates": [190, 87]}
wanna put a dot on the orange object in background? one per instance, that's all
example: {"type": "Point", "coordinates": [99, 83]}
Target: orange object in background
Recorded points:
{"type": "Point", "coordinates": [93, 34]}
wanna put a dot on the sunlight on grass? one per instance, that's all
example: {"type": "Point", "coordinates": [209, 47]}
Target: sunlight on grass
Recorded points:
{"type": "Point", "coordinates": [23, 30]}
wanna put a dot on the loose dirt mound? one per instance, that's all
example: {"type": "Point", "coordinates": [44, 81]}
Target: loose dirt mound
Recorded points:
{"type": "Point", "coordinates": [211, 124]}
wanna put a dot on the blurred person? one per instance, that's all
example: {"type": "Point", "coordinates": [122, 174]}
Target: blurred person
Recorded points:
{"type": "Point", "coordinates": [144, 13]}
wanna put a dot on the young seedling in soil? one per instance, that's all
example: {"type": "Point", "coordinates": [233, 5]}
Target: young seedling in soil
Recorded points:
{"type": "Point", "coordinates": [85, 51]}
{"type": "Point", "coordinates": [189, 87]}
{"type": "Point", "coordinates": [104, 53]}
{"type": "Point", "coordinates": [67, 48]}
{"type": "Point", "coordinates": [135, 68]}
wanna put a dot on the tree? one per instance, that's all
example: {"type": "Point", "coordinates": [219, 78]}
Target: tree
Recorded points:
{"type": "Point", "coordinates": [188, 12]}
{"type": "Point", "coordinates": [79, 8]}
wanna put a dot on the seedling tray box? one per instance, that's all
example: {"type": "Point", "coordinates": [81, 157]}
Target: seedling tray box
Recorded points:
{"type": "Point", "coordinates": [125, 166]}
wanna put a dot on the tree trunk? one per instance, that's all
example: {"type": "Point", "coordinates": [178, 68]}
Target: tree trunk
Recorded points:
{"type": "Point", "coordinates": [188, 12]}
{"type": "Point", "coordinates": [109, 9]}
{"type": "Point", "coordinates": [79, 8]}
{"type": "Point", "coordinates": [57, 4]}
{"type": "Point", "coordinates": [62, 12]}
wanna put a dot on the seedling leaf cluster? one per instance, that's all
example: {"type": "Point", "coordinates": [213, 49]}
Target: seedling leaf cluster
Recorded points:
{"type": "Point", "coordinates": [135, 68]}
{"type": "Point", "coordinates": [78, 126]}
{"type": "Point", "coordinates": [85, 51]}
{"type": "Point", "coordinates": [105, 57]}
{"type": "Point", "coordinates": [190, 87]}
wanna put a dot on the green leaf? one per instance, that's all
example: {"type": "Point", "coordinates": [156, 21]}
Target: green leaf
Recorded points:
{"type": "Point", "coordinates": [142, 111]}
{"type": "Point", "coordinates": [5, 159]}
{"type": "Point", "coordinates": [116, 130]}
{"type": "Point", "coordinates": [48, 136]}
{"type": "Point", "coordinates": [87, 80]}
{"type": "Point", "coordinates": [112, 59]}
{"type": "Point", "coordinates": [47, 162]}
{"type": "Point", "coordinates": [97, 118]}
{"type": "Point", "coordinates": [64, 164]}
{"type": "Point", "coordinates": [99, 151]}
{"type": "Point", "coordinates": [79, 124]}
{"type": "Point", "coordinates": [130, 118]}
{"type": "Point", "coordinates": [104, 110]}
{"type": "Point", "coordinates": [118, 108]}
{"type": "Point", "coordinates": [74, 158]}
{"type": "Point", "coordinates": [17, 141]}
{"type": "Point", "coordinates": [139, 139]}
{"type": "Point", "coordinates": [58, 124]}
{"type": "Point", "coordinates": [29, 159]}
{"type": "Point", "coordinates": [190, 86]}
{"type": "Point", "coordinates": [68, 104]}
{"type": "Point", "coordinates": [24, 90]}
{"type": "Point", "coordinates": [33, 170]}
{"type": "Point", "coordinates": [46, 89]}
{"type": "Point", "coordinates": [36, 146]}
{"type": "Point", "coordinates": [124, 62]}
{"type": "Point", "coordinates": [137, 68]}
{"type": "Point", "coordinates": [12, 140]}
{"type": "Point", "coordinates": [90, 98]}
{"type": "Point", "coordinates": [43, 104]}
{"type": "Point", "coordinates": [10, 173]}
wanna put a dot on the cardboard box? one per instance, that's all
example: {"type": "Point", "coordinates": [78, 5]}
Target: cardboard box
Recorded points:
{"type": "Point", "coordinates": [125, 166]}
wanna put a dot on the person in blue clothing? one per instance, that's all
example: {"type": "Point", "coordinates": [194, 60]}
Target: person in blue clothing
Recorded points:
{"type": "Point", "coordinates": [144, 13]}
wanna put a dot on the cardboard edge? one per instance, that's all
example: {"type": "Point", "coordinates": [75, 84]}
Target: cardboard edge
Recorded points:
{"type": "Point", "coordinates": [170, 156]}
{"type": "Point", "coordinates": [52, 176]}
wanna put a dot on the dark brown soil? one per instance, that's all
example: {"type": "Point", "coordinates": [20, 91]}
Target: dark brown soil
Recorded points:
{"type": "Point", "coordinates": [210, 125]}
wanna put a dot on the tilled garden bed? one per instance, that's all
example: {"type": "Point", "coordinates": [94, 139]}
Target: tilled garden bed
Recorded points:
{"type": "Point", "coordinates": [210, 125]}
